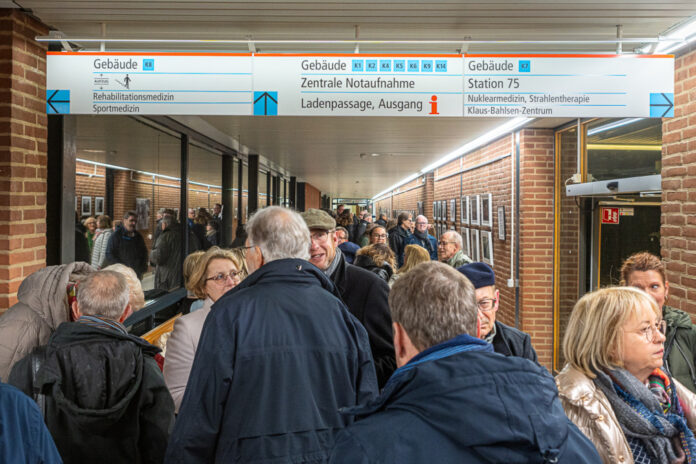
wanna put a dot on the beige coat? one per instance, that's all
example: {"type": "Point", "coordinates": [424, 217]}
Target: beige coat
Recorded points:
{"type": "Point", "coordinates": [181, 349]}
{"type": "Point", "coordinates": [42, 307]}
{"type": "Point", "coordinates": [589, 409]}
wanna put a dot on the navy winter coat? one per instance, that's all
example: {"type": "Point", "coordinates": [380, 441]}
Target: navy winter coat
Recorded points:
{"type": "Point", "coordinates": [278, 356]}
{"type": "Point", "coordinates": [127, 250]}
{"type": "Point", "coordinates": [449, 406]}
{"type": "Point", "coordinates": [430, 244]}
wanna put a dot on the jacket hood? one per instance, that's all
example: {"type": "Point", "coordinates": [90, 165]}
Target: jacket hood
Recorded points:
{"type": "Point", "coordinates": [45, 291]}
{"type": "Point", "coordinates": [294, 271]}
{"type": "Point", "coordinates": [92, 373]}
{"type": "Point", "coordinates": [676, 318]}
{"type": "Point", "coordinates": [384, 271]}
{"type": "Point", "coordinates": [505, 399]}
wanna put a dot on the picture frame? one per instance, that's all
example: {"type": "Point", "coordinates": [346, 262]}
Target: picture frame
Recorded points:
{"type": "Point", "coordinates": [466, 241]}
{"type": "Point", "coordinates": [487, 247]}
{"type": "Point", "coordinates": [142, 212]}
{"type": "Point", "coordinates": [86, 206]}
{"type": "Point", "coordinates": [443, 210]}
{"type": "Point", "coordinates": [464, 210]}
{"type": "Point", "coordinates": [501, 223]}
{"type": "Point", "coordinates": [453, 210]}
{"type": "Point", "coordinates": [486, 212]}
{"type": "Point", "coordinates": [474, 219]}
{"type": "Point", "coordinates": [98, 206]}
{"type": "Point", "coordinates": [475, 246]}
{"type": "Point", "coordinates": [420, 209]}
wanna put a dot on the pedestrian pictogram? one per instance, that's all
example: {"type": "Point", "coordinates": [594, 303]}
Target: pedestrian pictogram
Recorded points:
{"type": "Point", "coordinates": [265, 103]}
{"type": "Point", "coordinates": [58, 102]}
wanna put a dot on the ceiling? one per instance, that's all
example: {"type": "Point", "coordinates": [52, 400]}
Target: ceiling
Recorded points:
{"type": "Point", "coordinates": [326, 151]}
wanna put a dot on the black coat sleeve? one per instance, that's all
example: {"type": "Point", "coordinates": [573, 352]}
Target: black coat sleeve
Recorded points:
{"type": "Point", "coordinates": [378, 323]}
{"type": "Point", "coordinates": [156, 414]}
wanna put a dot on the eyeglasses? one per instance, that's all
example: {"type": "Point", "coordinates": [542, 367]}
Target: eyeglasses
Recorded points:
{"type": "Point", "coordinates": [320, 237]}
{"type": "Point", "coordinates": [650, 331]}
{"type": "Point", "coordinates": [221, 277]}
{"type": "Point", "coordinates": [487, 304]}
{"type": "Point", "coordinates": [443, 243]}
{"type": "Point", "coordinates": [421, 223]}
{"type": "Point", "coordinates": [380, 236]}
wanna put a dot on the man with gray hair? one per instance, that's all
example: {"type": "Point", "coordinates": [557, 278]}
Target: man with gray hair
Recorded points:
{"type": "Point", "coordinates": [450, 249]}
{"type": "Point", "coordinates": [453, 399]}
{"type": "Point", "coordinates": [102, 394]}
{"type": "Point", "coordinates": [278, 356]}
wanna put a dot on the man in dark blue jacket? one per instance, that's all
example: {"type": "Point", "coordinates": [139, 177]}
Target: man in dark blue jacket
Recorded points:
{"type": "Point", "coordinates": [453, 400]}
{"type": "Point", "coordinates": [127, 246]}
{"type": "Point", "coordinates": [278, 356]}
{"type": "Point", "coordinates": [421, 237]}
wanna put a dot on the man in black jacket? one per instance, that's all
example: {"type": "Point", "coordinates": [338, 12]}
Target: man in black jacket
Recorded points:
{"type": "Point", "coordinates": [278, 356]}
{"type": "Point", "coordinates": [127, 246]}
{"type": "Point", "coordinates": [104, 395]}
{"type": "Point", "coordinates": [505, 339]}
{"type": "Point", "coordinates": [399, 236]}
{"type": "Point", "coordinates": [365, 294]}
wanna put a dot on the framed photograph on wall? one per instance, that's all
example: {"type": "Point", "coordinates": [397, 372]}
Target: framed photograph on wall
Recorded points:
{"type": "Point", "coordinates": [466, 241]}
{"type": "Point", "coordinates": [434, 210]}
{"type": "Point", "coordinates": [487, 210]}
{"type": "Point", "coordinates": [86, 206]}
{"type": "Point", "coordinates": [443, 210]}
{"type": "Point", "coordinates": [420, 210]}
{"type": "Point", "coordinates": [487, 247]}
{"type": "Point", "coordinates": [464, 210]}
{"type": "Point", "coordinates": [501, 223]}
{"type": "Point", "coordinates": [98, 206]}
{"type": "Point", "coordinates": [474, 218]}
{"type": "Point", "coordinates": [453, 210]}
{"type": "Point", "coordinates": [475, 248]}
{"type": "Point", "coordinates": [142, 211]}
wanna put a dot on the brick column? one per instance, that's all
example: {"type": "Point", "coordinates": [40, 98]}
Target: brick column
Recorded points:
{"type": "Point", "coordinates": [536, 240]}
{"type": "Point", "coordinates": [429, 196]}
{"type": "Point", "coordinates": [678, 230]}
{"type": "Point", "coordinates": [23, 131]}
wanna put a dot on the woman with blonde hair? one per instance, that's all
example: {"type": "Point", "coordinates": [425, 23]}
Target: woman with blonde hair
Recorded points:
{"type": "Point", "coordinates": [377, 258]}
{"type": "Point", "coordinates": [101, 239]}
{"type": "Point", "coordinates": [214, 273]}
{"type": "Point", "coordinates": [413, 256]}
{"type": "Point", "coordinates": [613, 387]}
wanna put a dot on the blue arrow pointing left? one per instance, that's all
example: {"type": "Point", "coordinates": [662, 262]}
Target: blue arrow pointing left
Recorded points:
{"type": "Point", "coordinates": [57, 101]}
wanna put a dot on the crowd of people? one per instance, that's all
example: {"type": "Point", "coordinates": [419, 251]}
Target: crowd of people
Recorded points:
{"type": "Point", "coordinates": [325, 337]}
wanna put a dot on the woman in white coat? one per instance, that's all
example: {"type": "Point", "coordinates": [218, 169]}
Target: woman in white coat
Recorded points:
{"type": "Point", "coordinates": [216, 272]}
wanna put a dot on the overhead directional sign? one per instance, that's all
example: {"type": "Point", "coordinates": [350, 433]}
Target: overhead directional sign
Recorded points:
{"type": "Point", "coordinates": [565, 85]}
{"type": "Point", "coordinates": [431, 86]}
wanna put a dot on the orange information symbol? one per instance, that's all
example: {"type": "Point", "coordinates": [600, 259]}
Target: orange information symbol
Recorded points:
{"type": "Point", "coordinates": [433, 105]}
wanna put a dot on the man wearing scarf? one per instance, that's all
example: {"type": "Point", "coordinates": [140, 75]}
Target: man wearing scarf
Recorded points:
{"type": "Point", "coordinates": [452, 399]}
{"type": "Point", "coordinates": [421, 237]}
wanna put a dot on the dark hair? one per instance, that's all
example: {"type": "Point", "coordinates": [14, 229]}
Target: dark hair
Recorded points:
{"type": "Point", "coordinates": [214, 224]}
{"type": "Point", "coordinates": [401, 218]}
{"type": "Point", "coordinates": [128, 214]}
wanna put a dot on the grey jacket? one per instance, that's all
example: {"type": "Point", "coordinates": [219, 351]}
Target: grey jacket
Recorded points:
{"type": "Point", "coordinates": [42, 307]}
{"type": "Point", "coordinates": [99, 249]}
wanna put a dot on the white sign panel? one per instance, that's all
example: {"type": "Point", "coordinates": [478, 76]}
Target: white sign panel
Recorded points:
{"type": "Point", "coordinates": [568, 85]}
{"type": "Point", "coordinates": [140, 83]}
{"type": "Point", "coordinates": [358, 85]}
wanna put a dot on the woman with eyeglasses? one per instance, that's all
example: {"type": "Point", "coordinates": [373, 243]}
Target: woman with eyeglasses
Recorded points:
{"type": "Point", "coordinates": [613, 386]}
{"type": "Point", "coordinates": [646, 271]}
{"type": "Point", "coordinates": [378, 234]}
{"type": "Point", "coordinates": [216, 272]}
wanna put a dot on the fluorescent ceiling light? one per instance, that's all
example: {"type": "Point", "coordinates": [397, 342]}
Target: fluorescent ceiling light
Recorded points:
{"type": "Point", "coordinates": [623, 147]}
{"type": "Point", "coordinates": [478, 142]}
{"type": "Point", "coordinates": [686, 32]}
{"type": "Point", "coordinates": [613, 125]}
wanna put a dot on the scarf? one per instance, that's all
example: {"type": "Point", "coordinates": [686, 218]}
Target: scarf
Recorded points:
{"type": "Point", "coordinates": [649, 415]}
{"type": "Point", "coordinates": [423, 238]}
{"type": "Point", "coordinates": [334, 264]}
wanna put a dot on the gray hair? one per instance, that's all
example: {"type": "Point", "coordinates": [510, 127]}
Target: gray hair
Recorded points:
{"type": "Point", "coordinates": [434, 303]}
{"type": "Point", "coordinates": [456, 238]}
{"type": "Point", "coordinates": [167, 220]}
{"type": "Point", "coordinates": [280, 233]}
{"type": "Point", "coordinates": [103, 293]}
{"type": "Point", "coordinates": [421, 216]}
{"type": "Point", "coordinates": [344, 230]}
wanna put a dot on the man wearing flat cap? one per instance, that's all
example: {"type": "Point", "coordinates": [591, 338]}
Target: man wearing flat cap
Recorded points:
{"type": "Point", "coordinates": [505, 339]}
{"type": "Point", "coordinates": [364, 293]}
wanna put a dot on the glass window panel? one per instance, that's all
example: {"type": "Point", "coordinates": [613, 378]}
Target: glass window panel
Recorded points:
{"type": "Point", "coordinates": [618, 148]}
{"type": "Point", "coordinates": [204, 191]}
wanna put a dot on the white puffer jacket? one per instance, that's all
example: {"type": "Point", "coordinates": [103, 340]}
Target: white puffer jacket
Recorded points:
{"type": "Point", "coordinates": [42, 307]}
{"type": "Point", "coordinates": [99, 248]}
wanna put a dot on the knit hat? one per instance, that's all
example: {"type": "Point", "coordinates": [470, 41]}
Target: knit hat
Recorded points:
{"type": "Point", "coordinates": [318, 219]}
{"type": "Point", "coordinates": [480, 274]}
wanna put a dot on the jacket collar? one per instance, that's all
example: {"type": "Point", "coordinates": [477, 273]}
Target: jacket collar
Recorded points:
{"type": "Point", "coordinates": [575, 386]}
{"type": "Point", "coordinates": [405, 373]}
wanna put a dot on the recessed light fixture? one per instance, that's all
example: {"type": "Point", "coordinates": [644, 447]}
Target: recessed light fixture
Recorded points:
{"type": "Point", "coordinates": [376, 154]}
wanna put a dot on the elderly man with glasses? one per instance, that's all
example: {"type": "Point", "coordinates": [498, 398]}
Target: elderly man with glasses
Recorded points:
{"type": "Point", "coordinates": [505, 339]}
{"type": "Point", "coordinates": [450, 249]}
{"type": "Point", "coordinates": [363, 292]}
{"type": "Point", "coordinates": [422, 238]}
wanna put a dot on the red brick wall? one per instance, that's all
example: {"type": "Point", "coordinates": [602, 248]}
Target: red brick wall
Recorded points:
{"type": "Point", "coordinates": [536, 239]}
{"type": "Point", "coordinates": [23, 132]}
{"type": "Point", "coordinates": [678, 230]}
